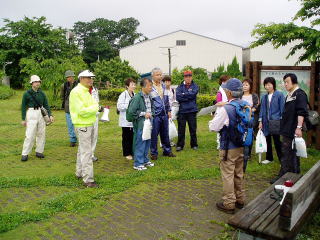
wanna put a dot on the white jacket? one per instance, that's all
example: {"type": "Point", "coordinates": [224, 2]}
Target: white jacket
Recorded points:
{"type": "Point", "coordinates": [122, 105]}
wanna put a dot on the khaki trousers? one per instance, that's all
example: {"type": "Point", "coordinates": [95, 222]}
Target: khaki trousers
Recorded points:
{"type": "Point", "coordinates": [36, 130]}
{"type": "Point", "coordinates": [95, 136]}
{"type": "Point", "coordinates": [84, 166]}
{"type": "Point", "coordinates": [232, 177]}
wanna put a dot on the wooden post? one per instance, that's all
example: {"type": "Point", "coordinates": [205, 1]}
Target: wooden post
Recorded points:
{"type": "Point", "coordinates": [317, 100]}
{"type": "Point", "coordinates": [256, 67]}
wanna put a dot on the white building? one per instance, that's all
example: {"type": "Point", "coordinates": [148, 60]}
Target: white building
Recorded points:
{"type": "Point", "coordinates": [186, 49]}
{"type": "Point", "coordinates": [270, 56]}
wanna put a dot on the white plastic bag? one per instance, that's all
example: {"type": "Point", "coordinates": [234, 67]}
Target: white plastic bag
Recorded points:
{"type": "Point", "coordinates": [105, 115]}
{"type": "Point", "coordinates": [210, 125]}
{"type": "Point", "coordinates": [174, 110]}
{"type": "Point", "coordinates": [261, 144]}
{"type": "Point", "coordinates": [300, 147]}
{"type": "Point", "coordinates": [172, 130]}
{"type": "Point", "coordinates": [146, 132]}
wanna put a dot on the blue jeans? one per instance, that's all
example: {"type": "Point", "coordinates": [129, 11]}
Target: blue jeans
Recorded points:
{"type": "Point", "coordinates": [141, 149]}
{"type": "Point", "coordinates": [72, 134]}
{"type": "Point", "coordinates": [160, 125]}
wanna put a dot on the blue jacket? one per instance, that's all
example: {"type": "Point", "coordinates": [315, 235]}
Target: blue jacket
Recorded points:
{"type": "Point", "coordinates": [274, 112]}
{"type": "Point", "coordinates": [160, 106]}
{"type": "Point", "coordinates": [187, 98]}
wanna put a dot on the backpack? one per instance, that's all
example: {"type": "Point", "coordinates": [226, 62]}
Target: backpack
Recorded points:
{"type": "Point", "coordinates": [312, 120]}
{"type": "Point", "coordinates": [129, 115]}
{"type": "Point", "coordinates": [242, 134]}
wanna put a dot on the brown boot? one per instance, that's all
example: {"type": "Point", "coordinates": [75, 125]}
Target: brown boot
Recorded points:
{"type": "Point", "coordinates": [220, 206]}
{"type": "Point", "coordinates": [239, 205]}
{"type": "Point", "coordinates": [154, 157]}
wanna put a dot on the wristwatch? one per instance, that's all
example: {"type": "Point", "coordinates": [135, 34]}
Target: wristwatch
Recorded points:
{"type": "Point", "coordinates": [299, 127]}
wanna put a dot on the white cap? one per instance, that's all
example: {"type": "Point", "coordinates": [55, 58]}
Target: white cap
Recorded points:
{"type": "Point", "coordinates": [34, 78]}
{"type": "Point", "coordinates": [86, 73]}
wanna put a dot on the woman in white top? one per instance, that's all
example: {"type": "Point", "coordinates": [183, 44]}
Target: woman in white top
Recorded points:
{"type": "Point", "coordinates": [127, 127]}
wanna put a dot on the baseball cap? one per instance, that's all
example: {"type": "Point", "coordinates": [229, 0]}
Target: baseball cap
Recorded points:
{"type": "Point", "coordinates": [187, 73]}
{"type": "Point", "coordinates": [86, 73]}
{"type": "Point", "coordinates": [34, 78]}
{"type": "Point", "coordinates": [233, 84]}
{"type": "Point", "coordinates": [69, 73]}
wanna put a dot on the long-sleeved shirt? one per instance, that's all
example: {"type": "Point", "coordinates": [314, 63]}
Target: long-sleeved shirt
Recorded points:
{"type": "Point", "coordinates": [28, 102]}
{"type": "Point", "coordinates": [220, 120]}
{"type": "Point", "coordinates": [83, 108]}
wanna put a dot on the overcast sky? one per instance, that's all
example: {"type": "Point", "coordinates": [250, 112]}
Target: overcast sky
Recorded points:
{"type": "Point", "coordinates": [228, 20]}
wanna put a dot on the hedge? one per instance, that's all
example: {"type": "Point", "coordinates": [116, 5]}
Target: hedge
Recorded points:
{"type": "Point", "coordinates": [203, 100]}
{"type": "Point", "coordinates": [6, 92]}
{"type": "Point", "coordinates": [111, 94]}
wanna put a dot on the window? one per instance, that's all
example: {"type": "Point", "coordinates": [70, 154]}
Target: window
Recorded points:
{"type": "Point", "coordinates": [181, 42]}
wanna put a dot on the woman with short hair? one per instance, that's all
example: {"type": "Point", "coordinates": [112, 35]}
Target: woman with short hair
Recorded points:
{"type": "Point", "coordinates": [127, 127]}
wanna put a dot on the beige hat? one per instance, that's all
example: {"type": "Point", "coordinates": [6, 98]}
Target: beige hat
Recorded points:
{"type": "Point", "coordinates": [34, 78]}
{"type": "Point", "coordinates": [86, 73]}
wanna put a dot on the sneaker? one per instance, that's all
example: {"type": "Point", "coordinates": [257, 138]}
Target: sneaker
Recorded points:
{"type": "Point", "coordinates": [39, 155]}
{"type": "Point", "coordinates": [154, 157]}
{"type": "Point", "coordinates": [220, 206]}
{"type": "Point", "coordinates": [266, 162]}
{"type": "Point", "coordinates": [169, 155]}
{"type": "Point", "coordinates": [24, 158]}
{"type": "Point", "coordinates": [91, 185]}
{"type": "Point", "coordinates": [149, 164]}
{"type": "Point", "coordinates": [129, 157]}
{"type": "Point", "coordinates": [94, 158]}
{"type": "Point", "coordinates": [140, 168]}
{"type": "Point", "coordinates": [195, 148]}
{"type": "Point", "coordinates": [178, 149]}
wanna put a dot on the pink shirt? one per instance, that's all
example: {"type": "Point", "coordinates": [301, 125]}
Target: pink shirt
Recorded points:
{"type": "Point", "coordinates": [219, 97]}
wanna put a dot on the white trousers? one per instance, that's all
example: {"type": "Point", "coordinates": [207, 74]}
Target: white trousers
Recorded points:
{"type": "Point", "coordinates": [36, 130]}
{"type": "Point", "coordinates": [84, 166]}
{"type": "Point", "coordinates": [95, 136]}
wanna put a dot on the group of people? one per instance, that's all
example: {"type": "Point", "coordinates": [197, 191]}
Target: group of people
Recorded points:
{"type": "Point", "coordinates": [80, 101]}
{"type": "Point", "coordinates": [276, 116]}
{"type": "Point", "coordinates": [154, 102]}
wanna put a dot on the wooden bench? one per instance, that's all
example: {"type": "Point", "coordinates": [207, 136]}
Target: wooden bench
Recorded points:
{"type": "Point", "coordinates": [264, 218]}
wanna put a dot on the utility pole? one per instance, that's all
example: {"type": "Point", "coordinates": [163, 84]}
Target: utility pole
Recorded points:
{"type": "Point", "coordinates": [169, 57]}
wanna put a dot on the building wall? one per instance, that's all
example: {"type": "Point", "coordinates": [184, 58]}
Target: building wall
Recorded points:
{"type": "Point", "coordinates": [199, 52]}
{"type": "Point", "coordinates": [270, 56]}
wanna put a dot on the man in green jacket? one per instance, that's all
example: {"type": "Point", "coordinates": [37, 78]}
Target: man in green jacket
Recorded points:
{"type": "Point", "coordinates": [138, 111]}
{"type": "Point", "coordinates": [83, 110]}
{"type": "Point", "coordinates": [32, 101]}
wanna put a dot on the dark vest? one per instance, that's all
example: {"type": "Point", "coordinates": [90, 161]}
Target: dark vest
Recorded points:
{"type": "Point", "coordinates": [224, 132]}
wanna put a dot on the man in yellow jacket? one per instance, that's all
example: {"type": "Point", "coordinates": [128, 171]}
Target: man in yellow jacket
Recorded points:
{"type": "Point", "coordinates": [83, 110]}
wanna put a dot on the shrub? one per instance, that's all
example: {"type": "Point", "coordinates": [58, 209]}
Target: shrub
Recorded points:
{"type": "Point", "coordinates": [205, 100]}
{"type": "Point", "coordinates": [6, 92]}
{"type": "Point", "coordinates": [111, 94]}
{"type": "Point", "coordinates": [115, 71]}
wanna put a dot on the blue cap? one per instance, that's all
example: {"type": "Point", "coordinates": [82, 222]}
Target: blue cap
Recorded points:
{"type": "Point", "coordinates": [233, 84]}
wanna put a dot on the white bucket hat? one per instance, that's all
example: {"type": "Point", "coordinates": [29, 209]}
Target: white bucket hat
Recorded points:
{"type": "Point", "coordinates": [86, 73]}
{"type": "Point", "coordinates": [34, 78]}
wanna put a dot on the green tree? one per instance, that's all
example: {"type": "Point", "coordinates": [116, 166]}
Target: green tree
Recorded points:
{"type": "Point", "coordinates": [51, 72]}
{"type": "Point", "coordinates": [220, 70]}
{"type": "Point", "coordinates": [233, 69]}
{"type": "Point", "coordinates": [101, 38]}
{"type": "Point", "coordinates": [31, 38]}
{"type": "Point", "coordinates": [280, 34]}
{"type": "Point", "coordinates": [115, 71]}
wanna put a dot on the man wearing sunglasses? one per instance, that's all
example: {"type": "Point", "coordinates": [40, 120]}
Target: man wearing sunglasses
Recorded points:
{"type": "Point", "coordinates": [186, 95]}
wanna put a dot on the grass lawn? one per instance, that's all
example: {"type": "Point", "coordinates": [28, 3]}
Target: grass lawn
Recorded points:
{"type": "Point", "coordinates": [39, 194]}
